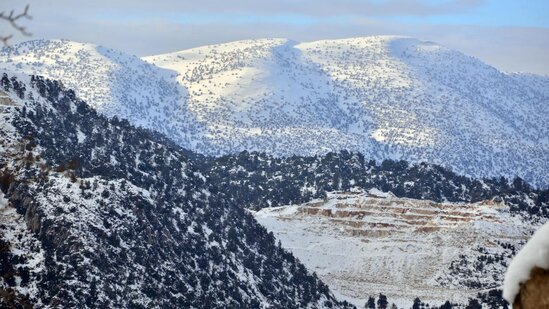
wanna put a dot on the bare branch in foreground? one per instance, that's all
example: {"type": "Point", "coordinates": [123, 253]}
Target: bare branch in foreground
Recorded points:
{"type": "Point", "coordinates": [13, 19]}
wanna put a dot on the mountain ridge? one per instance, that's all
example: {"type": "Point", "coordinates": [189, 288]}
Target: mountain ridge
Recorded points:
{"type": "Point", "coordinates": [389, 97]}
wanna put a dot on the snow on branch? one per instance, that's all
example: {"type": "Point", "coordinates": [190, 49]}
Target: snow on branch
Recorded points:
{"type": "Point", "coordinates": [534, 254]}
{"type": "Point", "coordinates": [13, 19]}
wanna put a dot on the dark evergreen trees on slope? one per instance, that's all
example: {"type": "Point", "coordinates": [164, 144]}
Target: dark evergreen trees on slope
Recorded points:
{"type": "Point", "coordinates": [473, 304]}
{"type": "Point", "coordinates": [382, 302]}
{"type": "Point", "coordinates": [256, 180]}
{"type": "Point", "coordinates": [417, 303]}
{"type": "Point", "coordinates": [493, 299]}
{"type": "Point", "coordinates": [126, 220]}
{"type": "Point", "coordinates": [371, 303]}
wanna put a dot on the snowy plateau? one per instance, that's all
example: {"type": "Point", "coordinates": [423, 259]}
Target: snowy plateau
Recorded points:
{"type": "Point", "coordinates": [363, 242]}
{"type": "Point", "coordinates": [385, 96]}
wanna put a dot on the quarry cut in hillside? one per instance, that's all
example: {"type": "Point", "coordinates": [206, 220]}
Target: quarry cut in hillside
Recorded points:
{"type": "Point", "coordinates": [361, 243]}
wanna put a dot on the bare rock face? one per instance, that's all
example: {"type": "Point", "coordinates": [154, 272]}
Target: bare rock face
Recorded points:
{"type": "Point", "coordinates": [534, 294]}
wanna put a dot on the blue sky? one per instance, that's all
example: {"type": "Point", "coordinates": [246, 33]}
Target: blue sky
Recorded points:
{"type": "Point", "coordinates": [511, 35]}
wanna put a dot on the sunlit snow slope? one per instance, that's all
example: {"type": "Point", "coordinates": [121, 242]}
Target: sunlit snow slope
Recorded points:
{"type": "Point", "coordinates": [112, 82]}
{"type": "Point", "coordinates": [388, 97]}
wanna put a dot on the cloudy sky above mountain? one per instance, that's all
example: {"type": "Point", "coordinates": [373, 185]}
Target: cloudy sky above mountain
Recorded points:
{"type": "Point", "coordinates": [511, 35]}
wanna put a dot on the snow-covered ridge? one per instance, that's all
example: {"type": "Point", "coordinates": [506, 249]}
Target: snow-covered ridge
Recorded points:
{"type": "Point", "coordinates": [112, 82]}
{"type": "Point", "coordinates": [386, 96]}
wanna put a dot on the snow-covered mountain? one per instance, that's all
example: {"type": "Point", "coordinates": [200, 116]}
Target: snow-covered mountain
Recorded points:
{"type": "Point", "coordinates": [386, 96]}
{"type": "Point", "coordinates": [113, 83]}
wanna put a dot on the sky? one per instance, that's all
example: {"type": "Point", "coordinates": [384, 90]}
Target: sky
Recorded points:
{"type": "Point", "coordinates": [510, 35]}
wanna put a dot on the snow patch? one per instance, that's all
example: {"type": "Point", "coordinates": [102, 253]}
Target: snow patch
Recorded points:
{"type": "Point", "coordinates": [534, 254]}
{"type": "Point", "coordinates": [3, 201]}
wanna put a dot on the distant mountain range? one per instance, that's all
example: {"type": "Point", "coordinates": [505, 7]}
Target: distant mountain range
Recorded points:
{"type": "Point", "coordinates": [385, 96]}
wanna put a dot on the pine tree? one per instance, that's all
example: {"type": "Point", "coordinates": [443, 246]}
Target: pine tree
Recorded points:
{"type": "Point", "coordinates": [417, 303]}
{"type": "Point", "coordinates": [446, 305]}
{"type": "Point", "coordinates": [473, 304]}
{"type": "Point", "coordinates": [371, 303]}
{"type": "Point", "coordinates": [382, 302]}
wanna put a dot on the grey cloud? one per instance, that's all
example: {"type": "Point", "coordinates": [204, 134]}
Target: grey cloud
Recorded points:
{"type": "Point", "coordinates": [263, 7]}
{"type": "Point", "coordinates": [325, 7]}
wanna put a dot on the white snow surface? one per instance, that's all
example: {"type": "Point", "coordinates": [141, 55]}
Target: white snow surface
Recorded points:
{"type": "Point", "coordinates": [386, 96]}
{"type": "Point", "coordinates": [114, 83]}
{"type": "Point", "coordinates": [362, 244]}
{"type": "Point", "coordinates": [3, 201]}
{"type": "Point", "coordinates": [534, 254]}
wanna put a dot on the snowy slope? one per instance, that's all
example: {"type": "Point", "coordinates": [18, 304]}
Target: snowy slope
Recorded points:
{"type": "Point", "coordinates": [361, 243]}
{"type": "Point", "coordinates": [262, 95]}
{"type": "Point", "coordinates": [112, 82]}
{"type": "Point", "coordinates": [387, 96]}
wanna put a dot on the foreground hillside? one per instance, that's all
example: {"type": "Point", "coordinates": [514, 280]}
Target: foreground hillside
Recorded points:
{"type": "Point", "coordinates": [388, 97]}
{"type": "Point", "coordinates": [95, 213]}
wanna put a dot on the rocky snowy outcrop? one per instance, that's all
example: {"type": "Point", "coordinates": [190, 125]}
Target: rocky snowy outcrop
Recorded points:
{"type": "Point", "coordinates": [360, 243]}
{"type": "Point", "coordinates": [526, 283]}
